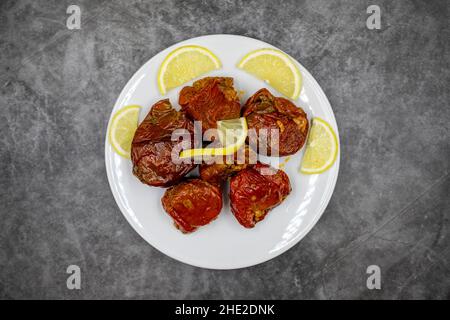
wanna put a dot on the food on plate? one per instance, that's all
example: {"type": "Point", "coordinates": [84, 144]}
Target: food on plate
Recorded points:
{"type": "Point", "coordinates": [122, 128]}
{"type": "Point", "coordinates": [219, 172]}
{"type": "Point", "coordinates": [321, 148]}
{"type": "Point", "coordinates": [232, 135]}
{"type": "Point", "coordinates": [255, 190]}
{"type": "Point", "coordinates": [264, 111]}
{"type": "Point", "coordinates": [152, 146]}
{"type": "Point", "coordinates": [209, 100]}
{"type": "Point", "coordinates": [229, 154]}
{"type": "Point", "coordinates": [184, 64]}
{"type": "Point", "coordinates": [275, 68]}
{"type": "Point", "coordinates": [192, 204]}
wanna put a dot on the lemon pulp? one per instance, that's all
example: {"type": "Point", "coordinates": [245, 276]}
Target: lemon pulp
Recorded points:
{"type": "Point", "coordinates": [321, 148]}
{"type": "Point", "coordinates": [122, 128]}
{"type": "Point", "coordinates": [275, 68]}
{"type": "Point", "coordinates": [184, 64]}
{"type": "Point", "coordinates": [232, 135]}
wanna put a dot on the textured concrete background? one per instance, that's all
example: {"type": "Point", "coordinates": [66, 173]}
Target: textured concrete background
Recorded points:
{"type": "Point", "coordinates": [389, 91]}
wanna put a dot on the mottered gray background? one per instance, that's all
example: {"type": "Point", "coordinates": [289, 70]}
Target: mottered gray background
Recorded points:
{"type": "Point", "coordinates": [388, 89]}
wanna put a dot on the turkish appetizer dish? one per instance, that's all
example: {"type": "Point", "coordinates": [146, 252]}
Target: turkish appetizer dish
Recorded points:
{"type": "Point", "coordinates": [210, 142]}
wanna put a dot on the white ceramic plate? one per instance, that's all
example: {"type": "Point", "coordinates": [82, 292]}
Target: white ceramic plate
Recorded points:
{"type": "Point", "coordinates": [224, 243]}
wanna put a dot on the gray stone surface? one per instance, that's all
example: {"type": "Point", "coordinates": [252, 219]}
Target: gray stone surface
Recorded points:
{"type": "Point", "coordinates": [389, 90]}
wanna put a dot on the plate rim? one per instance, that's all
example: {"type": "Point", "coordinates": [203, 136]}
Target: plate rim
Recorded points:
{"type": "Point", "coordinates": [299, 236]}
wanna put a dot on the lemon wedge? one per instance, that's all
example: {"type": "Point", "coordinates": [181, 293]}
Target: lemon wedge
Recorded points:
{"type": "Point", "coordinates": [122, 128]}
{"type": "Point", "coordinates": [276, 68]}
{"type": "Point", "coordinates": [232, 135]}
{"type": "Point", "coordinates": [184, 64]}
{"type": "Point", "coordinates": [321, 148]}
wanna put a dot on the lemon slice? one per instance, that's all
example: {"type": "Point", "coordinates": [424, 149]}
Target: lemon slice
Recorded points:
{"type": "Point", "coordinates": [276, 68]}
{"type": "Point", "coordinates": [232, 134]}
{"type": "Point", "coordinates": [184, 64]}
{"type": "Point", "coordinates": [232, 131]}
{"type": "Point", "coordinates": [122, 128]}
{"type": "Point", "coordinates": [321, 148]}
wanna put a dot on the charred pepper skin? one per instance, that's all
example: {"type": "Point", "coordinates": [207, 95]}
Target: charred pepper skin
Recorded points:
{"type": "Point", "coordinates": [209, 100]}
{"type": "Point", "coordinates": [192, 203]}
{"type": "Point", "coordinates": [152, 146]}
{"type": "Point", "coordinates": [253, 193]}
{"type": "Point", "coordinates": [264, 111]}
